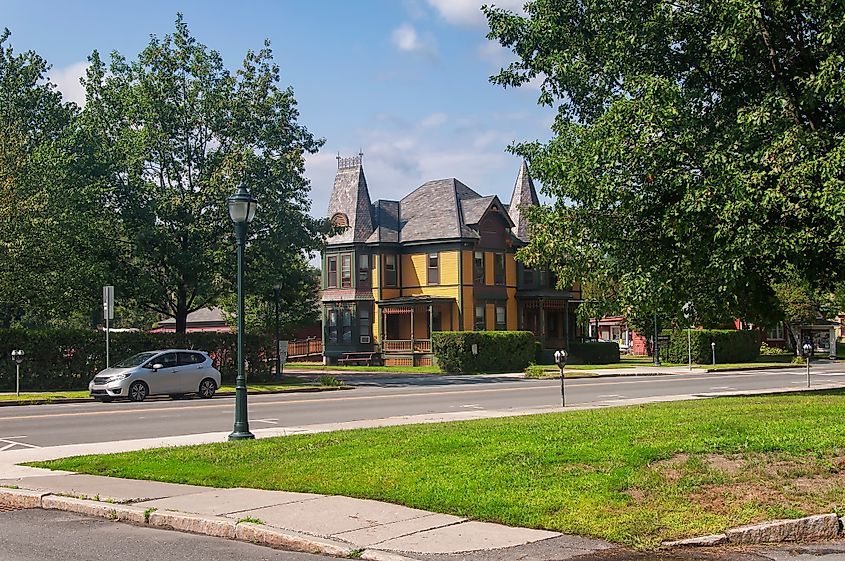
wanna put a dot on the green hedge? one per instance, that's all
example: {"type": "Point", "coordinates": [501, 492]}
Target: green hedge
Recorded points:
{"type": "Point", "coordinates": [732, 345]}
{"type": "Point", "coordinates": [498, 351]}
{"type": "Point", "coordinates": [594, 352]}
{"type": "Point", "coordinates": [59, 359]}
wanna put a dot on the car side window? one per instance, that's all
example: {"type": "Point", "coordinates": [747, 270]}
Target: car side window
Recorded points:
{"type": "Point", "coordinates": [167, 360]}
{"type": "Point", "coordinates": [186, 359]}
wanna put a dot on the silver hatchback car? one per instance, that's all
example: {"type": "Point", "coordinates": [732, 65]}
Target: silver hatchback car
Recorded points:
{"type": "Point", "coordinates": [173, 372]}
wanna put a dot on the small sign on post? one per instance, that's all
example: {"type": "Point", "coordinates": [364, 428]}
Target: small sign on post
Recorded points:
{"type": "Point", "coordinates": [108, 314]}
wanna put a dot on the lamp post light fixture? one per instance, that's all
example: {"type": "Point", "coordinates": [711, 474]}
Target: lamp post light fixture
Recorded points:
{"type": "Point", "coordinates": [17, 356]}
{"type": "Point", "coordinates": [276, 290]}
{"type": "Point", "coordinates": [242, 208]}
{"type": "Point", "coordinates": [713, 348]}
{"type": "Point", "coordinates": [560, 360]}
{"type": "Point", "coordinates": [808, 354]}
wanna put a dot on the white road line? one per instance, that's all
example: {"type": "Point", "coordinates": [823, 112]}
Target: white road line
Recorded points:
{"type": "Point", "coordinates": [269, 421]}
{"type": "Point", "coordinates": [609, 395]}
{"type": "Point", "coordinates": [723, 388]}
{"type": "Point", "coordinates": [472, 406]}
{"type": "Point", "coordinates": [12, 443]}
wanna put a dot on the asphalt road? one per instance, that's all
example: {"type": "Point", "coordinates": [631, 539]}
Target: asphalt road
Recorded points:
{"type": "Point", "coordinates": [374, 397]}
{"type": "Point", "coordinates": [38, 535]}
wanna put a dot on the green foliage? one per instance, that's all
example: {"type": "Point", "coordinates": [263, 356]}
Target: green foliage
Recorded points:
{"type": "Point", "coordinates": [498, 351]}
{"type": "Point", "coordinates": [771, 351]}
{"type": "Point", "coordinates": [594, 352]}
{"type": "Point", "coordinates": [330, 381]}
{"type": "Point", "coordinates": [698, 148]}
{"type": "Point", "coordinates": [69, 358]}
{"type": "Point", "coordinates": [535, 371]}
{"type": "Point", "coordinates": [732, 345]}
{"type": "Point", "coordinates": [53, 257]}
{"type": "Point", "coordinates": [177, 132]}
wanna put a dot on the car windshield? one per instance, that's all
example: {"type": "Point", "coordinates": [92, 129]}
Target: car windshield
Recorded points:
{"type": "Point", "coordinates": [136, 360]}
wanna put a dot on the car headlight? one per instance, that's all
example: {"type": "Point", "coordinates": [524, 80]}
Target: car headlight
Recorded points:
{"type": "Point", "coordinates": [116, 378]}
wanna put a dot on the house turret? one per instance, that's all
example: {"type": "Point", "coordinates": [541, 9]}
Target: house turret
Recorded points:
{"type": "Point", "coordinates": [349, 204]}
{"type": "Point", "coordinates": [524, 196]}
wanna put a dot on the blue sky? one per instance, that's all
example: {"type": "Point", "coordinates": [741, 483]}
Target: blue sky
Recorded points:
{"type": "Point", "coordinates": [403, 80]}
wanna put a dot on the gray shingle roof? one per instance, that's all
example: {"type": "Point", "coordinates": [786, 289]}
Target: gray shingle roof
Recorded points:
{"type": "Point", "coordinates": [524, 196]}
{"type": "Point", "coordinates": [351, 198]}
{"type": "Point", "coordinates": [436, 210]}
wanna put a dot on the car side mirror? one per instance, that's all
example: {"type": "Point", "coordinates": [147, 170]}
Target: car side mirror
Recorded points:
{"type": "Point", "coordinates": [157, 366]}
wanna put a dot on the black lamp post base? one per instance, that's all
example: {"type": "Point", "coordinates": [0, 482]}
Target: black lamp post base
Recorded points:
{"type": "Point", "coordinates": [241, 436]}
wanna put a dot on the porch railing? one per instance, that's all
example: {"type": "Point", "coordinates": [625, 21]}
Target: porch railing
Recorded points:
{"type": "Point", "coordinates": [406, 345]}
{"type": "Point", "coordinates": [305, 348]}
{"type": "Point", "coordinates": [397, 345]}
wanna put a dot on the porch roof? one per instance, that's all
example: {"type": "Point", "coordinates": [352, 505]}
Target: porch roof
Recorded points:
{"type": "Point", "coordinates": [415, 300]}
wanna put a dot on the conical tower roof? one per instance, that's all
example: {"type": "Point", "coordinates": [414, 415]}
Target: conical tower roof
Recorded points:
{"type": "Point", "coordinates": [349, 204]}
{"type": "Point", "coordinates": [524, 196]}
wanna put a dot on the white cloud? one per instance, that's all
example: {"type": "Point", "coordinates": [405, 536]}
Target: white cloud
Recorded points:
{"type": "Point", "coordinates": [406, 38]}
{"type": "Point", "coordinates": [494, 53]}
{"type": "Point", "coordinates": [434, 120]}
{"type": "Point", "coordinates": [67, 80]}
{"type": "Point", "coordinates": [468, 12]}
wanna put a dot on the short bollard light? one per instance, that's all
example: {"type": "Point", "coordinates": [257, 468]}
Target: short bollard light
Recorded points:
{"type": "Point", "coordinates": [808, 355]}
{"type": "Point", "coordinates": [17, 356]}
{"type": "Point", "coordinates": [713, 348]}
{"type": "Point", "coordinates": [560, 360]}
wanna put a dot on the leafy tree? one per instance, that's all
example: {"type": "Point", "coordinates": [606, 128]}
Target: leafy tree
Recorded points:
{"type": "Point", "coordinates": [698, 149]}
{"type": "Point", "coordinates": [179, 131]}
{"type": "Point", "coordinates": [52, 226]}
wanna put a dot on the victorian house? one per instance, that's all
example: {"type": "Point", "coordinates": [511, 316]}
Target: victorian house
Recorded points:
{"type": "Point", "coordinates": [439, 259]}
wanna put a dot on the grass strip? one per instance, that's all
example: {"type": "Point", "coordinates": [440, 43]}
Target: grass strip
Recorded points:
{"type": "Point", "coordinates": [633, 475]}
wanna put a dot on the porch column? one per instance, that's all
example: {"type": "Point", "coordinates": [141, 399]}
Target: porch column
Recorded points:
{"type": "Point", "coordinates": [431, 320]}
{"type": "Point", "coordinates": [542, 322]}
{"type": "Point", "coordinates": [412, 328]}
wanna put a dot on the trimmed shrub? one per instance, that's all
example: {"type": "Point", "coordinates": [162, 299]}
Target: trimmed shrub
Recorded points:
{"type": "Point", "coordinates": [594, 352]}
{"type": "Point", "coordinates": [58, 359]}
{"type": "Point", "coordinates": [732, 345]}
{"type": "Point", "coordinates": [498, 351]}
{"type": "Point", "coordinates": [535, 371]}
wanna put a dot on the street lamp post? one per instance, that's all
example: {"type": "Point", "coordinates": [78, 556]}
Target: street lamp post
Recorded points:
{"type": "Point", "coordinates": [242, 208]}
{"type": "Point", "coordinates": [276, 290]}
{"type": "Point", "coordinates": [17, 356]}
{"type": "Point", "coordinates": [808, 354]}
{"type": "Point", "coordinates": [560, 359]}
{"type": "Point", "coordinates": [688, 315]}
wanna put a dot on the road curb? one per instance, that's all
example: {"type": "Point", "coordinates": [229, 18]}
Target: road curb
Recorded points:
{"type": "Point", "coordinates": [21, 498]}
{"type": "Point", "coordinates": [293, 541]}
{"type": "Point", "coordinates": [380, 555]}
{"type": "Point", "coordinates": [818, 527]}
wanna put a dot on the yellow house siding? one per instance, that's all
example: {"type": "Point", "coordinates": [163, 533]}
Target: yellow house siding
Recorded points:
{"type": "Point", "coordinates": [467, 265]}
{"type": "Point", "coordinates": [413, 269]}
{"type": "Point", "coordinates": [469, 310]}
{"type": "Point", "coordinates": [512, 310]}
{"type": "Point", "coordinates": [488, 268]}
{"type": "Point", "coordinates": [376, 317]}
{"type": "Point", "coordinates": [510, 269]}
{"type": "Point", "coordinates": [448, 264]}
{"type": "Point", "coordinates": [490, 320]}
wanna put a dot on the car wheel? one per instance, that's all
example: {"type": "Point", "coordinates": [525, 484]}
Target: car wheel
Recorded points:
{"type": "Point", "coordinates": [138, 391]}
{"type": "Point", "coordinates": [207, 388]}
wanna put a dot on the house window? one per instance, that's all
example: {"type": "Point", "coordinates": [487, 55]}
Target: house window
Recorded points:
{"type": "Point", "coordinates": [499, 269]}
{"type": "Point", "coordinates": [331, 329]}
{"type": "Point", "coordinates": [331, 275]}
{"type": "Point", "coordinates": [364, 322]}
{"type": "Point", "coordinates": [346, 271]}
{"type": "Point", "coordinates": [501, 318]}
{"type": "Point", "coordinates": [480, 318]}
{"type": "Point", "coordinates": [389, 270]}
{"type": "Point", "coordinates": [346, 326]}
{"type": "Point", "coordinates": [775, 333]}
{"type": "Point", "coordinates": [364, 270]}
{"type": "Point", "coordinates": [433, 268]}
{"type": "Point", "coordinates": [528, 276]}
{"type": "Point", "coordinates": [478, 267]}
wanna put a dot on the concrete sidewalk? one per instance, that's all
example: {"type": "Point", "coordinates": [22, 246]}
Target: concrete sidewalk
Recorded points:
{"type": "Point", "coordinates": [327, 524]}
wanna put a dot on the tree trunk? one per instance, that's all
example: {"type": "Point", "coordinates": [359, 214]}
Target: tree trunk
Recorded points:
{"type": "Point", "coordinates": [181, 310]}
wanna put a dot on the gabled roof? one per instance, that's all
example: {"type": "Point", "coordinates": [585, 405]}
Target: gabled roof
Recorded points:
{"type": "Point", "coordinates": [349, 204]}
{"type": "Point", "coordinates": [433, 211]}
{"type": "Point", "coordinates": [475, 209]}
{"type": "Point", "coordinates": [524, 196]}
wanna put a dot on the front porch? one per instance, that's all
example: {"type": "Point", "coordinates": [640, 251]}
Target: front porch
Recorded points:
{"type": "Point", "coordinates": [551, 319]}
{"type": "Point", "coordinates": [406, 326]}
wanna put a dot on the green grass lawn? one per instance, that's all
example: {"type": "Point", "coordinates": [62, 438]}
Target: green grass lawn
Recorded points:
{"type": "Point", "coordinates": [633, 475]}
{"type": "Point", "coordinates": [43, 396]}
